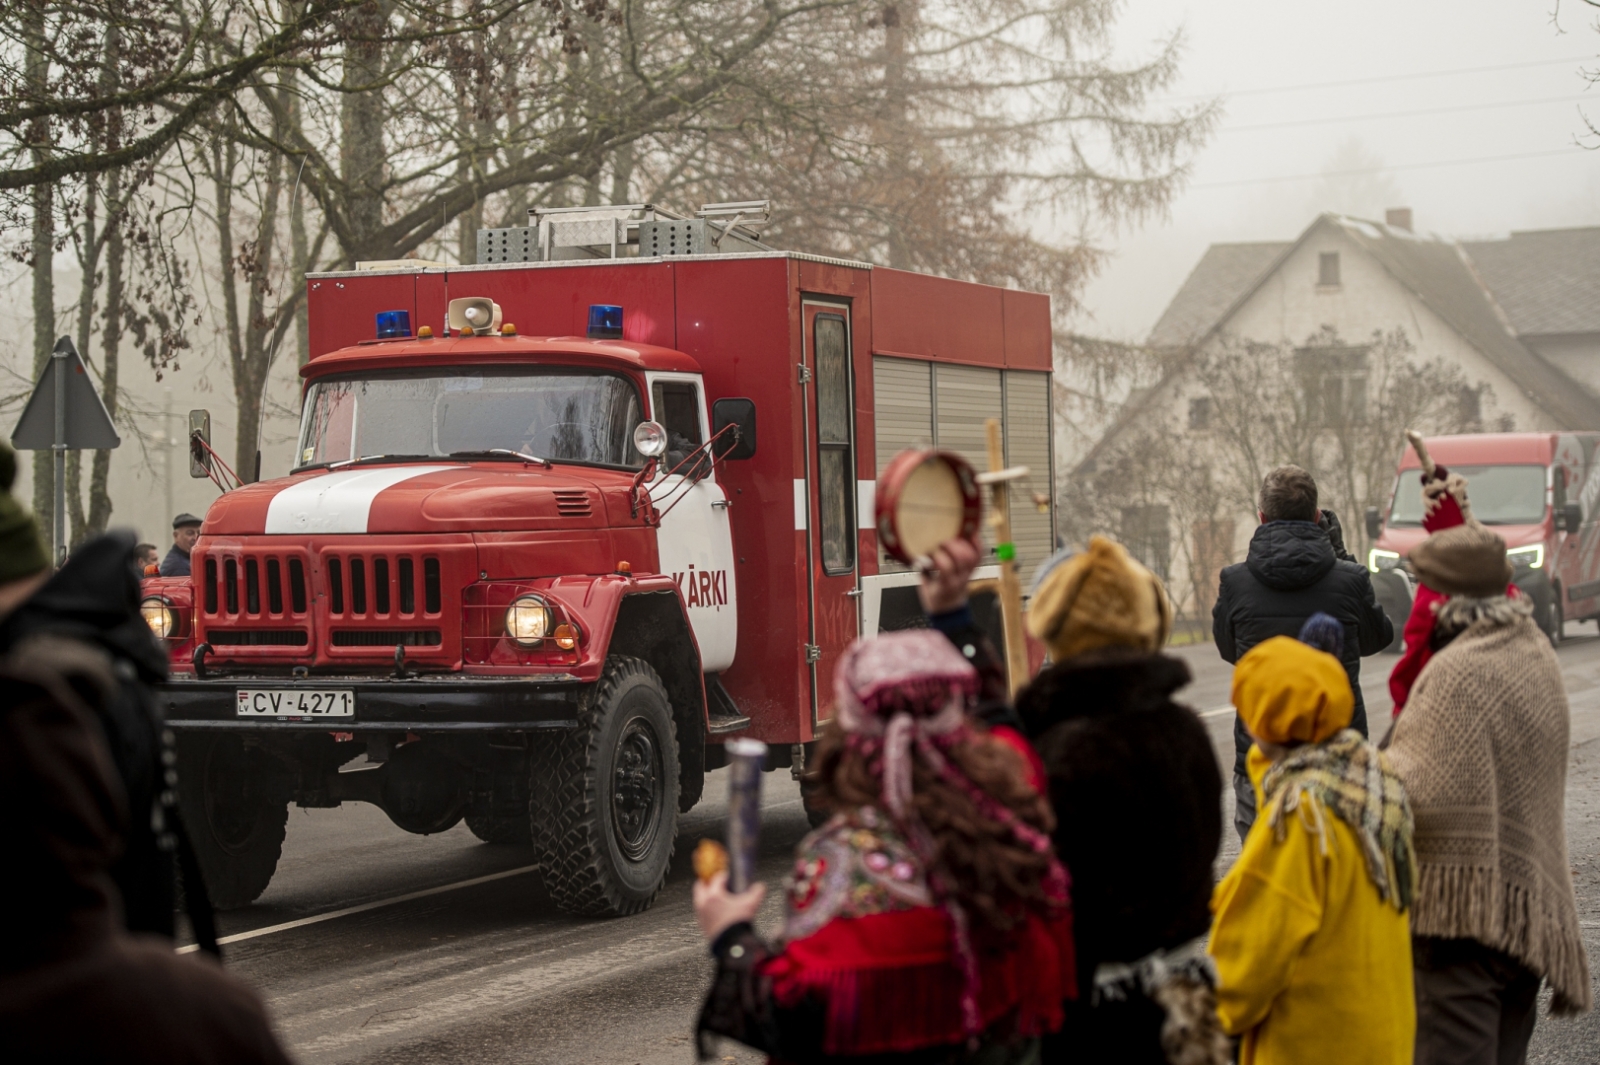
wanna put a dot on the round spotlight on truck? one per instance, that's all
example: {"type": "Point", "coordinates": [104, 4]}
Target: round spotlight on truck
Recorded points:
{"type": "Point", "coordinates": [159, 616]}
{"type": "Point", "coordinates": [528, 620]}
{"type": "Point", "coordinates": [650, 438]}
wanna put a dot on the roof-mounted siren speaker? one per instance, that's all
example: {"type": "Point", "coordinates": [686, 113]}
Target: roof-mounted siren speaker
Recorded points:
{"type": "Point", "coordinates": [477, 313]}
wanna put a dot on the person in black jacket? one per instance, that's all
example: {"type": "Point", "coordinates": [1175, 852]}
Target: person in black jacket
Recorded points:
{"type": "Point", "coordinates": [1296, 567]}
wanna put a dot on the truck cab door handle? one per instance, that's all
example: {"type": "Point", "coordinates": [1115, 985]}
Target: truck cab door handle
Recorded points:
{"type": "Point", "coordinates": [721, 504]}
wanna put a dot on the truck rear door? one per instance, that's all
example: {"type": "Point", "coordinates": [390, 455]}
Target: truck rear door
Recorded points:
{"type": "Point", "coordinates": [829, 492]}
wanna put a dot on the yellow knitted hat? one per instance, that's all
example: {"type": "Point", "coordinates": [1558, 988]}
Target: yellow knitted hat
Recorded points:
{"type": "Point", "coordinates": [1287, 692]}
{"type": "Point", "coordinates": [1099, 598]}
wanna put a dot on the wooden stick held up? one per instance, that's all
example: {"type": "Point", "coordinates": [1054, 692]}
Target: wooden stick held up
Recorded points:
{"type": "Point", "coordinates": [1010, 587]}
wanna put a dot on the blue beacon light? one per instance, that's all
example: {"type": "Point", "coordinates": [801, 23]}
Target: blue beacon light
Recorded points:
{"type": "Point", "coordinates": [394, 325]}
{"type": "Point", "coordinates": [605, 321]}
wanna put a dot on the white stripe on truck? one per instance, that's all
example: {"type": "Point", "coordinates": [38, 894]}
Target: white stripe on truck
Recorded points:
{"type": "Point", "coordinates": [338, 502]}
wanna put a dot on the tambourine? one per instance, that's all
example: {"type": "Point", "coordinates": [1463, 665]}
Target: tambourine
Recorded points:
{"type": "Point", "coordinates": [923, 499]}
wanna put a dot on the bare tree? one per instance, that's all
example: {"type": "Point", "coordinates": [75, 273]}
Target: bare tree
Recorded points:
{"type": "Point", "coordinates": [1175, 490]}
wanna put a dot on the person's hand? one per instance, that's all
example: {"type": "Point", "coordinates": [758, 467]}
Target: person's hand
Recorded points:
{"type": "Point", "coordinates": [717, 909]}
{"type": "Point", "coordinates": [944, 585]}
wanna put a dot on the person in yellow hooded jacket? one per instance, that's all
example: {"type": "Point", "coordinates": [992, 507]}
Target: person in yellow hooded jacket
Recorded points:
{"type": "Point", "coordinates": [1309, 931]}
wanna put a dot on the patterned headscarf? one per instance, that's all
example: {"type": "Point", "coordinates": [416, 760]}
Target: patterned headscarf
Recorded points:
{"type": "Point", "coordinates": [904, 696]}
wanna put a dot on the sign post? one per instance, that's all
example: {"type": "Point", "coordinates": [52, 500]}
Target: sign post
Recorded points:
{"type": "Point", "coordinates": [64, 414]}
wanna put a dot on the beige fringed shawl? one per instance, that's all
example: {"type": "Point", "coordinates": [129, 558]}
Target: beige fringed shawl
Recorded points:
{"type": "Point", "coordinates": [1482, 748]}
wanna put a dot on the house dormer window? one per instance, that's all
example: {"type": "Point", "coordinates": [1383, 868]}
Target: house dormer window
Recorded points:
{"type": "Point", "coordinates": [1328, 270]}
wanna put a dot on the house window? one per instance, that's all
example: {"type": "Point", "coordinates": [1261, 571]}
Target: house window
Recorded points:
{"type": "Point", "coordinates": [1200, 414]}
{"type": "Point", "coordinates": [1146, 534]}
{"type": "Point", "coordinates": [1328, 270]}
{"type": "Point", "coordinates": [1335, 384]}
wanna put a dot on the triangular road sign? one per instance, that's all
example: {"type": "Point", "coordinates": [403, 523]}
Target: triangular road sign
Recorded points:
{"type": "Point", "coordinates": [88, 426]}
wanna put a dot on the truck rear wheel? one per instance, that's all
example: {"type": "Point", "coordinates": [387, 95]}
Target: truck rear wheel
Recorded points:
{"type": "Point", "coordinates": [605, 797]}
{"type": "Point", "coordinates": [235, 814]}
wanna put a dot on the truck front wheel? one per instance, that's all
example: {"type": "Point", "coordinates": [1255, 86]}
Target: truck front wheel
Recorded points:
{"type": "Point", "coordinates": [605, 797]}
{"type": "Point", "coordinates": [235, 814]}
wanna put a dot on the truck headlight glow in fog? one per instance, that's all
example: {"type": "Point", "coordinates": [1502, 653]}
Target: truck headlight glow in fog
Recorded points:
{"type": "Point", "coordinates": [159, 616]}
{"type": "Point", "coordinates": [528, 620]}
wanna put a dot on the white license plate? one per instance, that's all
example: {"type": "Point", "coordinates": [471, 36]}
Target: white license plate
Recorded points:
{"type": "Point", "coordinates": [265, 702]}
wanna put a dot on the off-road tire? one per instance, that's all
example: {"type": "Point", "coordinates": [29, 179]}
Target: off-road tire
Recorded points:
{"type": "Point", "coordinates": [504, 830]}
{"type": "Point", "coordinates": [603, 852]}
{"type": "Point", "coordinates": [236, 813]}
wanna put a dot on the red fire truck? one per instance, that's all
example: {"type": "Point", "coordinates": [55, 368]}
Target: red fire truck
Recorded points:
{"type": "Point", "coordinates": [541, 555]}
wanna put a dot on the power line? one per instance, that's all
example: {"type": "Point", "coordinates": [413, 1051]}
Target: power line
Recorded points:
{"type": "Point", "coordinates": [1287, 123]}
{"type": "Point", "coordinates": [1378, 80]}
{"type": "Point", "coordinates": [1381, 169]}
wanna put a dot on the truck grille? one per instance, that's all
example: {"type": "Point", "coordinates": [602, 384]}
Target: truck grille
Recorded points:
{"type": "Point", "coordinates": [365, 585]}
{"type": "Point", "coordinates": [257, 637]}
{"type": "Point", "coordinates": [235, 586]}
{"type": "Point", "coordinates": [386, 637]}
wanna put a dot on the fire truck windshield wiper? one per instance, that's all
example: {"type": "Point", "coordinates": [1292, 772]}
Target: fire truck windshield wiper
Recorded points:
{"type": "Point", "coordinates": [339, 464]}
{"type": "Point", "coordinates": [502, 454]}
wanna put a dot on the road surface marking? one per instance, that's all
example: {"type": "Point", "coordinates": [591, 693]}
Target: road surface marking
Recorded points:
{"type": "Point", "coordinates": [1218, 712]}
{"type": "Point", "coordinates": [255, 933]}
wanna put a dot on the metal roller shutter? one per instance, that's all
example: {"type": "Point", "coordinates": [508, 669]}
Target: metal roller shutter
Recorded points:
{"type": "Point", "coordinates": [903, 397]}
{"type": "Point", "coordinates": [967, 397]}
{"type": "Point", "coordinates": [1027, 423]}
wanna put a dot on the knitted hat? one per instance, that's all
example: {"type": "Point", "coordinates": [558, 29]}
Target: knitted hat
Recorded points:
{"type": "Point", "coordinates": [1287, 692]}
{"type": "Point", "coordinates": [22, 552]}
{"type": "Point", "coordinates": [1467, 560]}
{"type": "Point", "coordinates": [1099, 598]}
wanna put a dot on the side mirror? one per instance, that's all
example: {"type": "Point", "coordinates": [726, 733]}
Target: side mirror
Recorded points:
{"type": "Point", "coordinates": [740, 413]}
{"type": "Point", "coordinates": [1572, 517]}
{"type": "Point", "coordinates": [199, 432]}
{"type": "Point", "coordinates": [1374, 523]}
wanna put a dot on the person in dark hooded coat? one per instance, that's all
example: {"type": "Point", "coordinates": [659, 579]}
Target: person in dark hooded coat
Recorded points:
{"type": "Point", "coordinates": [1294, 569]}
{"type": "Point", "coordinates": [75, 985]}
{"type": "Point", "coordinates": [94, 600]}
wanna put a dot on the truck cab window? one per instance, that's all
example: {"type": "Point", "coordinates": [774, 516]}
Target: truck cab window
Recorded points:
{"type": "Point", "coordinates": [677, 408]}
{"type": "Point", "coordinates": [565, 416]}
{"type": "Point", "coordinates": [834, 463]}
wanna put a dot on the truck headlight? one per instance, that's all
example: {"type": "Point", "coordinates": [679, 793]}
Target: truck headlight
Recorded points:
{"type": "Point", "coordinates": [528, 620]}
{"type": "Point", "coordinates": [159, 615]}
{"type": "Point", "coordinates": [1379, 559]}
{"type": "Point", "coordinates": [1531, 556]}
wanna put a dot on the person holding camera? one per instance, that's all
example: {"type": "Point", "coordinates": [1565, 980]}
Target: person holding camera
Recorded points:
{"type": "Point", "coordinates": [1296, 567]}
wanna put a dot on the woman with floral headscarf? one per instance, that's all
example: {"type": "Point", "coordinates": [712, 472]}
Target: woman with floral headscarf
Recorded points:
{"type": "Point", "coordinates": [927, 920]}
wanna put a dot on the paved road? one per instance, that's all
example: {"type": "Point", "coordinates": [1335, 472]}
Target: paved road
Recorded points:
{"type": "Point", "coordinates": [474, 964]}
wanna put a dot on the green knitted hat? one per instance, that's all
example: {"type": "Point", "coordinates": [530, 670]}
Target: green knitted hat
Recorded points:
{"type": "Point", "coordinates": [22, 552]}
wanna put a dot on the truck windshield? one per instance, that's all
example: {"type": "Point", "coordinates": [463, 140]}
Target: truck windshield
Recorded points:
{"type": "Point", "coordinates": [1500, 495]}
{"type": "Point", "coordinates": [566, 416]}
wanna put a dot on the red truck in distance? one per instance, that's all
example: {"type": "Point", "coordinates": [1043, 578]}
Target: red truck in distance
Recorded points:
{"type": "Point", "coordinates": [564, 526]}
{"type": "Point", "coordinates": [1538, 491]}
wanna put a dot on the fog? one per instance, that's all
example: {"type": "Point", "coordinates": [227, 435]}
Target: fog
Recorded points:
{"type": "Point", "coordinates": [1406, 137]}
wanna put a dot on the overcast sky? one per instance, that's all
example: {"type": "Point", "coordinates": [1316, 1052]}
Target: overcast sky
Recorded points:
{"type": "Point", "coordinates": [1259, 56]}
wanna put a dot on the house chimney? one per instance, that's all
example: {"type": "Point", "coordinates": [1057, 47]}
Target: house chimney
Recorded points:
{"type": "Point", "coordinates": [1398, 218]}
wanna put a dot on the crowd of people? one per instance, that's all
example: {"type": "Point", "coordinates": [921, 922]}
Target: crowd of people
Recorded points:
{"type": "Point", "coordinates": [999, 881]}
{"type": "Point", "coordinates": [1032, 882]}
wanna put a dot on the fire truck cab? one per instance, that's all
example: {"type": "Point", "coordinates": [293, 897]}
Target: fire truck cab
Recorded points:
{"type": "Point", "coordinates": [540, 555]}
